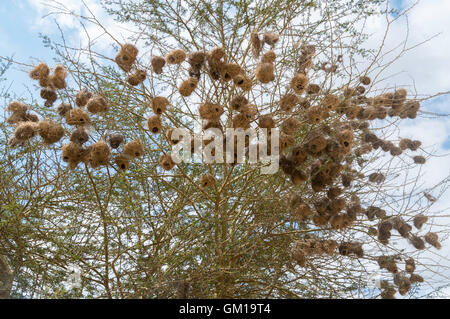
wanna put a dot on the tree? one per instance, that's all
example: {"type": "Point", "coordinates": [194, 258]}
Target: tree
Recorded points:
{"type": "Point", "coordinates": [316, 228]}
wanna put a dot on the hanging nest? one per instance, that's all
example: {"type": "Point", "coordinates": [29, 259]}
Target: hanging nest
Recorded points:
{"type": "Point", "coordinates": [334, 192]}
{"type": "Point", "coordinates": [290, 125]}
{"type": "Point", "coordinates": [99, 154]}
{"type": "Point", "coordinates": [403, 283]}
{"type": "Point", "coordinates": [349, 248]}
{"type": "Point", "coordinates": [305, 61]}
{"type": "Point", "coordinates": [377, 178]}
{"type": "Point", "coordinates": [419, 159]}
{"type": "Point", "coordinates": [298, 83]}
{"type": "Point", "coordinates": [315, 114]}
{"type": "Point", "coordinates": [229, 71]}
{"type": "Point", "coordinates": [433, 240]}
{"type": "Point", "coordinates": [63, 109]}
{"type": "Point", "coordinates": [238, 103]}
{"type": "Point", "coordinates": [126, 56]}
{"type": "Point", "coordinates": [419, 220]}
{"type": "Point", "coordinates": [115, 140]}
{"type": "Point", "coordinates": [266, 121]}
{"type": "Point", "coordinates": [210, 111]}
{"type": "Point", "coordinates": [288, 102]}
{"type": "Point", "coordinates": [58, 78]}
{"type": "Point", "coordinates": [265, 72]}
{"type": "Point", "coordinates": [388, 263]}
{"type": "Point", "coordinates": [20, 113]}
{"type": "Point", "coordinates": [17, 107]}
{"type": "Point", "coordinates": [97, 104]}
{"type": "Point", "coordinates": [250, 111]}
{"type": "Point", "coordinates": [271, 38]}
{"type": "Point", "coordinates": [268, 57]}
{"type": "Point", "coordinates": [72, 153]}
{"type": "Point", "coordinates": [373, 211]}
{"type": "Point", "coordinates": [188, 86]}
{"type": "Point", "coordinates": [122, 161]}
{"type": "Point", "coordinates": [303, 212]}
{"type": "Point", "coordinates": [243, 81]}
{"type": "Point", "coordinates": [49, 95]}
{"type": "Point", "coordinates": [176, 56]}
{"type": "Point", "coordinates": [194, 73]}
{"type": "Point", "coordinates": [18, 117]}
{"type": "Point", "coordinates": [345, 138]}
{"type": "Point", "coordinates": [159, 104]}
{"type": "Point", "coordinates": [313, 89]}
{"type": "Point", "coordinates": [410, 265]}
{"type": "Point", "coordinates": [241, 121]}
{"type": "Point", "coordinates": [157, 63]}
{"type": "Point", "coordinates": [137, 77]}
{"type": "Point", "coordinates": [196, 59]}
{"type": "Point", "coordinates": [256, 44]}
{"type": "Point", "coordinates": [134, 149]}
{"type": "Point", "coordinates": [298, 177]}
{"type": "Point", "coordinates": [216, 54]}
{"type": "Point", "coordinates": [25, 131]}
{"type": "Point", "coordinates": [166, 162]}
{"type": "Point", "coordinates": [40, 71]}
{"type": "Point", "coordinates": [298, 155]}
{"type": "Point", "coordinates": [77, 116]}
{"type": "Point", "coordinates": [154, 124]}
{"type": "Point", "coordinates": [417, 242]}
{"type": "Point", "coordinates": [415, 278]}
{"type": "Point", "coordinates": [401, 226]}
{"type": "Point", "coordinates": [79, 136]}
{"type": "Point", "coordinates": [399, 98]}
{"type": "Point", "coordinates": [214, 123]}
{"type": "Point", "coordinates": [207, 181]}
{"type": "Point", "coordinates": [82, 97]}
{"type": "Point", "coordinates": [172, 140]}
{"type": "Point", "coordinates": [330, 102]}
{"type": "Point", "coordinates": [286, 141]}
{"type": "Point", "coordinates": [365, 80]}
{"type": "Point", "coordinates": [50, 131]}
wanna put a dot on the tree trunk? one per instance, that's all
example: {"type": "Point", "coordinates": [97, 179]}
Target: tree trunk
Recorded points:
{"type": "Point", "coordinates": [6, 278]}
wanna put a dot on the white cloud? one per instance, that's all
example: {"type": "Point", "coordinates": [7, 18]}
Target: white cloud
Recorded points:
{"type": "Point", "coordinates": [425, 65]}
{"type": "Point", "coordinates": [49, 12]}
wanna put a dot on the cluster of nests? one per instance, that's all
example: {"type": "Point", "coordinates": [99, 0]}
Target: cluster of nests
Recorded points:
{"type": "Point", "coordinates": [49, 83]}
{"type": "Point", "coordinates": [328, 145]}
{"type": "Point", "coordinates": [214, 64]}
{"type": "Point", "coordinates": [312, 246]}
{"type": "Point", "coordinates": [322, 150]}
{"type": "Point", "coordinates": [97, 154]}
{"type": "Point", "coordinates": [333, 210]}
{"type": "Point", "coordinates": [402, 279]}
{"type": "Point", "coordinates": [27, 124]}
{"type": "Point", "coordinates": [388, 146]}
{"type": "Point", "coordinates": [387, 224]}
{"type": "Point", "coordinates": [338, 213]}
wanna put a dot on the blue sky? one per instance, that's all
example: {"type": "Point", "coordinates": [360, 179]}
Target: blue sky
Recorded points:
{"type": "Point", "coordinates": [20, 38]}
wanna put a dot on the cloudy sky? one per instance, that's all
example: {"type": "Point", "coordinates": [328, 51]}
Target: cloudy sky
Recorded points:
{"type": "Point", "coordinates": [425, 69]}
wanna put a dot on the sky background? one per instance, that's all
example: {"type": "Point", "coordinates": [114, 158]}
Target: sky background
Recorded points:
{"type": "Point", "coordinates": [426, 69]}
